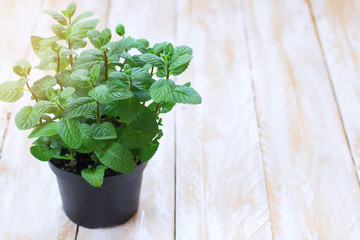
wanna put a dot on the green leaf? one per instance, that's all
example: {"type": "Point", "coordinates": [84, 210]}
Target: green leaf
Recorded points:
{"type": "Point", "coordinates": [146, 120]}
{"type": "Point", "coordinates": [26, 118]}
{"type": "Point", "coordinates": [105, 36]}
{"type": "Point", "coordinates": [120, 46]}
{"type": "Point", "coordinates": [99, 93]}
{"type": "Point", "coordinates": [119, 76]}
{"type": "Point", "coordinates": [59, 31]}
{"type": "Point", "coordinates": [180, 62]}
{"type": "Point", "coordinates": [152, 59]}
{"type": "Point", "coordinates": [88, 141]}
{"type": "Point", "coordinates": [42, 107]}
{"type": "Point", "coordinates": [94, 177]}
{"type": "Point", "coordinates": [63, 78]}
{"type": "Point", "coordinates": [80, 75]}
{"type": "Point", "coordinates": [12, 91]}
{"type": "Point", "coordinates": [120, 30]}
{"type": "Point", "coordinates": [57, 16]}
{"type": "Point", "coordinates": [80, 30]}
{"type": "Point", "coordinates": [148, 151]}
{"type": "Point", "coordinates": [43, 84]}
{"type": "Point", "coordinates": [77, 43]}
{"type": "Point", "coordinates": [64, 52]}
{"type": "Point", "coordinates": [128, 109]}
{"type": "Point", "coordinates": [118, 158]}
{"type": "Point", "coordinates": [95, 38]}
{"type": "Point", "coordinates": [82, 16]}
{"type": "Point", "coordinates": [70, 10]}
{"type": "Point", "coordinates": [103, 131]}
{"type": "Point", "coordinates": [44, 130]}
{"type": "Point", "coordinates": [42, 46]}
{"type": "Point", "coordinates": [95, 73]}
{"type": "Point", "coordinates": [159, 48]}
{"type": "Point", "coordinates": [184, 94]}
{"type": "Point", "coordinates": [161, 89]}
{"type": "Point", "coordinates": [88, 59]}
{"type": "Point", "coordinates": [70, 133]}
{"type": "Point", "coordinates": [118, 93]}
{"type": "Point", "coordinates": [80, 107]}
{"type": "Point", "coordinates": [67, 93]}
{"type": "Point", "coordinates": [134, 138]}
{"type": "Point", "coordinates": [66, 157]}
{"type": "Point", "coordinates": [22, 68]}
{"type": "Point", "coordinates": [42, 154]}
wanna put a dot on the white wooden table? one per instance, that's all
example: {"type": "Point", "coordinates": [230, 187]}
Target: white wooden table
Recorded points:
{"type": "Point", "coordinates": [272, 153]}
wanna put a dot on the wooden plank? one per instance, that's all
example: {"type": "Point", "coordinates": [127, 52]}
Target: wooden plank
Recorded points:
{"type": "Point", "coordinates": [30, 202]}
{"type": "Point", "coordinates": [337, 23]}
{"type": "Point", "coordinates": [220, 184]}
{"type": "Point", "coordinates": [311, 179]}
{"type": "Point", "coordinates": [155, 217]}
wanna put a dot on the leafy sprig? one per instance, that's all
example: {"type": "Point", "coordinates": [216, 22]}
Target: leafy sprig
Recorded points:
{"type": "Point", "coordinates": [104, 102]}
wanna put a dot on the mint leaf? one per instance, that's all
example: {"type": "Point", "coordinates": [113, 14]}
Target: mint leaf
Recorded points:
{"type": "Point", "coordinates": [63, 78]}
{"type": "Point", "coordinates": [80, 75]}
{"type": "Point", "coordinates": [95, 177]}
{"type": "Point", "coordinates": [22, 68]}
{"type": "Point", "coordinates": [159, 48]}
{"type": "Point", "coordinates": [95, 38]}
{"type": "Point", "coordinates": [82, 16]}
{"type": "Point", "coordinates": [67, 93]}
{"type": "Point", "coordinates": [12, 91]}
{"type": "Point", "coordinates": [184, 94]}
{"type": "Point", "coordinates": [43, 84]}
{"type": "Point", "coordinates": [120, 30]}
{"type": "Point", "coordinates": [80, 107]}
{"type": "Point", "coordinates": [44, 130]}
{"type": "Point", "coordinates": [99, 93]}
{"type": "Point", "coordinates": [161, 89]}
{"type": "Point", "coordinates": [120, 46]}
{"type": "Point", "coordinates": [42, 46]}
{"type": "Point", "coordinates": [70, 10]}
{"type": "Point", "coordinates": [42, 154]}
{"type": "Point", "coordinates": [70, 133]}
{"type": "Point", "coordinates": [95, 73]}
{"type": "Point", "coordinates": [26, 118]}
{"type": "Point", "coordinates": [59, 31]}
{"type": "Point", "coordinates": [80, 30]}
{"type": "Point", "coordinates": [146, 120]}
{"type": "Point", "coordinates": [118, 93]}
{"type": "Point", "coordinates": [77, 43]}
{"type": "Point", "coordinates": [119, 76]}
{"type": "Point", "coordinates": [152, 59]}
{"type": "Point", "coordinates": [134, 138]}
{"type": "Point", "coordinates": [103, 131]}
{"type": "Point", "coordinates": [45, 107]}
{"type": "Point", "coordinates": [128, 109]}
{"type": "Point", "coordinates": [88, 59]}
{"type": "Point", "coordinates": [148, 151]}
{"type": "Point", "coordinates": [180, 59]}
{"type": "Point", "coordinates": [118, 158]}
{"type": "Point", "coordinates": [88, 141]}
{"type": "Point", "coordinates": [57, 16]}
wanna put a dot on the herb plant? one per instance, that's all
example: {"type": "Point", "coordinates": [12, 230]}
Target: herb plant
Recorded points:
{"type": "Point", "coordinates": [99, 111]}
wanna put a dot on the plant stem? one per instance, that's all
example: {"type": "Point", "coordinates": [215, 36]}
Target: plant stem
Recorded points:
{"type": "Point", "coordinates": [130, 83]}
{"type": "Point", "coordinates": [106, 65]}
{"type": "Point", "coordinates": [60, 107]}
{"type": "Point", "coordinates": [36, 99]}
{"type": "Point", "coordinates": [98, 112]}
{"type": "Point", "coordinates": [168, 72]}
{"type": "Point", "coordinates": [152, 70]}
{"type": "Point", "coordinates": [157, 108]}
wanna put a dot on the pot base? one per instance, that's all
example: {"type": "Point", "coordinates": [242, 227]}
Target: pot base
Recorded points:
{"type": "Point", "coordinates": [114, 203]}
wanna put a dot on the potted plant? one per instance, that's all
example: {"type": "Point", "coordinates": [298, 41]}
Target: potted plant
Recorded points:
{"type": "Point", "coordinates": [96, 118]}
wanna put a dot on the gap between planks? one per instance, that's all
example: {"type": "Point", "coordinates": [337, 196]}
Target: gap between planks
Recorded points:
{"type": "Point", "coordinates": [313, 20]}
{"type": "Point", "coordinates": [246, 38]}
{"type": "Point", "coordinates": [7, 122]}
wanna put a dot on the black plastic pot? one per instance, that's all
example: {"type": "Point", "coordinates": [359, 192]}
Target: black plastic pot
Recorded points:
{"type": "Point", "coordinates": [115, 202]}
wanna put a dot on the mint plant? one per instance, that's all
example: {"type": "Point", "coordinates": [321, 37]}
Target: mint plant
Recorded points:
{"type": "Point", "coordinates": [99, 112]}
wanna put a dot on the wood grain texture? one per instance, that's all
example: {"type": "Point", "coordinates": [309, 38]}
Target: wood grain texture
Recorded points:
{"type": "Point", "coordinates": [155, 217]}
{"type": "Point", "coordinates": [29, 196]}
{"type": "Point", "coordinates": [312, 186]}
{"type": "Point", "coordinates": [220, 186]}
{"type": "Point", "coordinates": [338, 27]}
